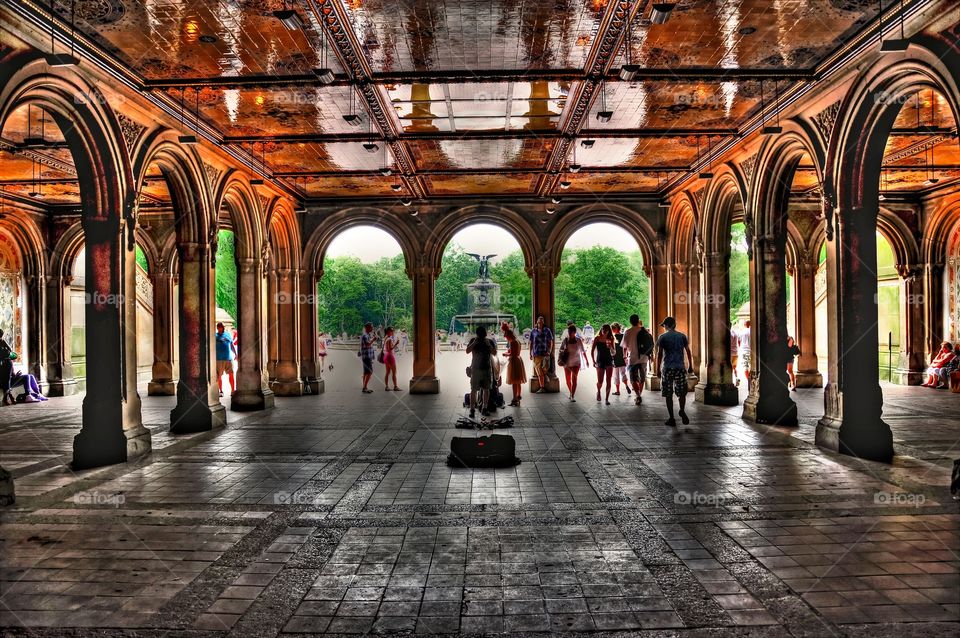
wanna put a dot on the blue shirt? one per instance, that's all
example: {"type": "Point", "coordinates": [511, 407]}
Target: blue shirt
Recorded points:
{"type": "Point", "coordinates": [541, 341]}
{"type": "Point", "coordinates": [224, 347]}
{"type": "Point", "coordinates": [673, 344]}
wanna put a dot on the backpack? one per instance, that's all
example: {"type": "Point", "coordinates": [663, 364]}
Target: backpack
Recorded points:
{"type": "Point", "coordinates": [644, 342]}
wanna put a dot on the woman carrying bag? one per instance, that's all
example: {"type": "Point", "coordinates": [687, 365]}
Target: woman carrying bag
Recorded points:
{"type": "Point", "coordinates": [571, 357]}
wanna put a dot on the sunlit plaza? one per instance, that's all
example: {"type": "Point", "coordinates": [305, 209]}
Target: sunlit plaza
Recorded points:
{"type": "Point", "coordinates": [331, 317]}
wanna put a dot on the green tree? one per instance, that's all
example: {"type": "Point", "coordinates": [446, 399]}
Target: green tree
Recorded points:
{"type": "Point", "coordinates": [599, 285]}
{"type": "Point", "coordinates": [516, 288]}
{"type": "Point", "coordinates": [457, 269]}
{"type": "Point", "coordinates": [738, 270]}
{"type": "Point", "coordinates": [340, 294]}
{"type": "Point", "coordinates": [226, 273]}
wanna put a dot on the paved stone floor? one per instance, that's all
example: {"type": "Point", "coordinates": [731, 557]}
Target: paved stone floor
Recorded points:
{"type": "Point", "coordinates": [336, 514]}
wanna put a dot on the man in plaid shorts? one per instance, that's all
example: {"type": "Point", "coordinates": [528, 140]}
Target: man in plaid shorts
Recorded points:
{"type": "Point", "coordinates": [671, 347]}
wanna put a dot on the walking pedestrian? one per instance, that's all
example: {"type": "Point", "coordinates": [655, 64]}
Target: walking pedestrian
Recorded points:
{"type": "Point", "coordinates": [541, 347]}
{"type": "Point", "coordinates": [743, 349]}
{"type": "Point", "coordinates": [390, 343]}
{"type": "Point", "coordinates": [601, 353]}
{"type": "Point", "coordinates": [638, 345]}
{"type": "Point", "coordinates": [367, 353]}
{"type": "Point", "coordinates": [793, 351]}
{"type": "Point", "coordinates": [570, 358]}
{"type": "Point", "coordinates": [482, 350]}
{"type": "Point", "coordinates": [671, 347]}
{"type": "Point", "coordinates": [587, 333]}
{"type": "Point", "coordinates": [619, 361]}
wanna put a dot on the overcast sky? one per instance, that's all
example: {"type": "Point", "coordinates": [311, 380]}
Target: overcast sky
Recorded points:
{"type": "Point", "coordinates": [370, 244]}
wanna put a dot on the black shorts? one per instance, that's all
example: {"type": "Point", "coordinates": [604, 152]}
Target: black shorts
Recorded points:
{"type": "Point", "coordinates": [673, 381]}
{"type": "Point", "coordinates": [638, 372]}
{"type": "Point", "coordinates": [367, 365]}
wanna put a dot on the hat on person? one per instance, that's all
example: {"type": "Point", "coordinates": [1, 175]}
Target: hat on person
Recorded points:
{"type": "Point", "coordinates": [669, 322]}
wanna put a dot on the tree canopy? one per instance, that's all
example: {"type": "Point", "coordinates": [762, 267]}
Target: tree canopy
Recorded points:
{"type": "Point", "coordinates": [226, 273]}
{"type": "Point", "coordinates": [601, 285]}
{"type": "Point", "coordinates": [352, 293]}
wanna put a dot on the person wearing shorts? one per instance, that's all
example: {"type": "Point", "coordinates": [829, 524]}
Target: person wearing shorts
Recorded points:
{"type": "Point", "coordinates": [541, 346]}
{"type": "Point", "coordinates": [226, 352]}
{"type": "Point", "coordinates": [671, 347]}
{"type": "Point", "coordinates": [367, 354]}
{"type": "Point", "coordinates": [619, 361]}
{"type": "Point", "coordinates": [638, 346]}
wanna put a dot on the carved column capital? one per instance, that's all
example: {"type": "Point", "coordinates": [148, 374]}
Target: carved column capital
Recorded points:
{"type": "Point", "coordinates": [284, 274]}
{"type": "Point", "coordinates": [249, 265]}
{"type": "Point", "coordinates": [909, 272]}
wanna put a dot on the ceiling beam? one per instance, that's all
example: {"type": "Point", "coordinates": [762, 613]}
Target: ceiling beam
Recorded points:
{"type": "Point", "coordinates": [483, 171]}
{"type": "Point", "coordinates": [649, 74]}
{"type": "Point", "coordinates": [321, 138]}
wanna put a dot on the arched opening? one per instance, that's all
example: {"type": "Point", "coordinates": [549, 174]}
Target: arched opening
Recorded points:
{"type": "Point", "coordinates": [602, 279]}
{"type": "Point", "coordinates": [364, 280]}
{"type": "Point", "coordinates": [13, 300]}
{"type": "Point", "coordinates": [952, 287]}
{"type": "Point", "coordinates": [738, 283]}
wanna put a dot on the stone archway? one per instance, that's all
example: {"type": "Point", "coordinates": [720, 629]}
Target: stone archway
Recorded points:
{"type": "Point", "coordinates": [112, 431]}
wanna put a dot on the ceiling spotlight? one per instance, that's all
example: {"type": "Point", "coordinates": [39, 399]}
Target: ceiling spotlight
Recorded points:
{"type": "Point", "coordinates": [396, 188]}
{"type": "Point", "coordinates": [663, 203]}
{"type": "Point", "coordinates": [894, 46]}
{"type": "Point", "coordinates": [324, 76]}
{"type": "Point", "coordinates": [386, 172]}
{"type": "Point", "coordinates": [661, 12]}
{"type": "Point", "coordinates": [188, 140]}
{"type": "Point", "coordinates": [257, 181]}
{"type": "Point", "coordinates": [555, 199]}
{"type": "Point", "coordinates": [604, 116]}
{"type": "Point", "coordinates": [574, 168]}
{"type": "Point", "coordinates": [206, 38]}
{"type": "Point", "coordinates": [587, 143]}
{"type": "Point", "coordinates": [564, 184]}
{"type": "Point", "coordinates": [705, 175]}
{"type": "Point", "coordinates": [882, 197]}
{"type": "Point", "coordinates": [288, 18]}
{"type": "Point", "coordinates": [406, 202]}
{"type": "Point", "coordinates": [931, 181]}
{"type": "Point", "coordinates": [414, 212]}
{"type": "Point", "coordinates": [35, 195]}
{"type": "Point", "coordinates": [371, 147]}
{"type": "Point", "coordinates": [771, 130]}
{"type": "Point", "coordinates": [629, 71]}
{"type": "Point", "coordinates": [352, 119]}
{"type": "Point", "coordinates": [551, 210]}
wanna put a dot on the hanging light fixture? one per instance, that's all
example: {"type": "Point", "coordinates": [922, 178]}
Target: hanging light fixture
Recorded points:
{"type": "Point", "coordinates": [288, 17]}
{"type": "Point", "coordinates": [184, 137]}
{"type": "Point", "coordinates": [385, 170]}
{"type": "Point", "coordinates": [892, 45]}
{"type": "Point", "coordinates": [396, 188]}
{"type": "Point", "coordinates": [352, 118]}
{"type": "Point", "coordinates": [603, 115]}
{"type": "Point", "coordinates": [31, 139]}
{"type": "Point", "coordinates": [774, 129]}
{"type": "Point", "coordinates": [258, 181]}
{"type": "Point", "coordinates": [661, 11]}
{"type": "Point", "coordinates": [574, 167]}
{"type": "Point", "coordinates": [665, 201]}
{"type": "Point", "coordinates": [324, 73]}
{"type": "Point", "coordinates": [629, 70]}
{"type": "Point", "coordinates": [564, 184]}
{"type": "Point", "coordinates": [883, 185]}
{"type": "Point", "coordinates": [587, 143]}
{"type": "Point", "coordinates": [55, 59]}
{"type": "Point", "coordinates": [707, 174]}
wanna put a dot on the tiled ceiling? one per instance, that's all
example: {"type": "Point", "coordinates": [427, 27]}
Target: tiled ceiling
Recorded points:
{"type": "Point", "coordinates": [489, 98]}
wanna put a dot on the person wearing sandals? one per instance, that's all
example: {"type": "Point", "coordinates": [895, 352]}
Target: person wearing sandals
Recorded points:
{"type": "Point", "coordinates": [390, 344]}
{"type": "Point", "coordinates": [367, 354]}
{"type": "Point", "coordinates": [671, 348]}
{"type": "Point", "coordinates": [601, 353]}
{"type": "Point", "coordinates": [516, 372]}
{"type": "Point", "coordinates": [570, 357]}
{"type": "Point", "coordinates": [619, 361]}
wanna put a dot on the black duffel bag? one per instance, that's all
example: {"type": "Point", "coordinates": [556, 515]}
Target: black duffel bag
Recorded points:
{"type": "Point", "coordinates": [495, 450]}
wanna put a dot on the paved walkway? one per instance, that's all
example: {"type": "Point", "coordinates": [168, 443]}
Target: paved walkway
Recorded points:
{"type": "Point", "coordinates": [337, 514]}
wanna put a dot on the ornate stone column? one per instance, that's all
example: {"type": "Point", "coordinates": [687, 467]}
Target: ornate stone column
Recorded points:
{"type": "Point", "coordinates": [198, 404]}
{"type": "Point", "coordinates": [36, 334]}
{"type": "Point", "coordinates": [911, 361]}
{"type": "Point", "coordinates": [659, 275]}
{"type": "Point", "coordinates": [253, 391]}
{"type": "Point", "coordinates": [853, 402]}
{"type": "Point", "coordinates": [112, 429]}
{"type": "Point", "coordinates": [57, 325]}
{"type": "Point", "coordinates": [162, 383]}
{"type": "Point", "coordinates": [544, 305]}
{"type": "Point", "coordinates": [933, 305]}
{"type": "Point", "coordinates": [287, 370]}
{"type": "Point", "coordinates": [273, 331]}
{"type": "Point", "coordinates": [695, 301]}
{"type": "Point", "coordinates": [310, 370]}
{"type": "Point", "coordinates": [769, 399]}
{"type": "Point", "coordinates": [716, 370]}
{"type": "Point", "coordinates": [807, 365]}
{"type": "Point", "coordinates": [424, 379]}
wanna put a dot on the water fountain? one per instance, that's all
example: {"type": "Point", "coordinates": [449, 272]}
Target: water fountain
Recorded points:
{"type": "Point", "coordinates": [483, 307]}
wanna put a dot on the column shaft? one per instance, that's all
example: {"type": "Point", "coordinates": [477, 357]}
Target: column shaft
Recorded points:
{"type": "Point", "coordinates": [287, 370]}
{"type": "Point", "coordinates": [716, 370]}
{"type": "Point", "coordinates": [424, 379]}
{"type": "Point", "coordinates": [310, 371]}
{"type": "Point", "coordinates": [544, 305]}
{"type": "Point", "coordinates": [807, 364]}
{"type": "Point", "coordinates": [162, 383]}
{"type": "Point", "coordinates": [253, 391]}
{"type": "Point", "coordinates": [57, 327]}
{"type": "Point", "coordinates": [911, 361]}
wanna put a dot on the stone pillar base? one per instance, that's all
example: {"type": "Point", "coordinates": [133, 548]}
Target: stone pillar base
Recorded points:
{"type": "Point", "coordinates": [653, 382]}
{"type": "Point", "coordinates": [717, 394]}
{"type": "Point", "coordinates": [902, 376]}
{"type": "Point", "coordinates": [162, 388]}
{"type": "Point", "coordinates": [692, 381]}
{"type": "Point", "coordinates": [241, 401]}
{"type": "Point", "coordinates": [98, 446]}
{"type": "Point", "coordinates": [197, 417]}
{"type": "Point", "coordinates": [314, 386]}
{"type": "Point", "coordinates": [809, 380]}
{"type": "Point", "coordinates": [863, 438]}
{"type": "Point", "coordinates": [287, 388]}
{"type": "Point", "coordinates": [552, 384]}
{"type": "Point", "coordinates": [7, 494]}
{"type": "Point", "coordinates": [770, 411]}
{"type": "Point", "coordinates": [424, 385]}
{"type": "Point", "coordinates": [62, 388]}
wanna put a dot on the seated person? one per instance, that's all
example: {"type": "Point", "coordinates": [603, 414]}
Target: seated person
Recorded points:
{"type": "Point", "coordinates": [952, 367]}
{"type": "Point", "coordinates": [23, 389]}
{"type": "Point", "coordinates": [940, 360]}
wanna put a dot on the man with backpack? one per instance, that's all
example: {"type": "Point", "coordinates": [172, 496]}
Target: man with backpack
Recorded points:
{"type": "Point", "coordinates": [638, 345]}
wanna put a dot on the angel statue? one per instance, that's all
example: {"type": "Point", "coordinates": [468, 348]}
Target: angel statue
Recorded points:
{"type": "Point", "coordinates": [484, 264]}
